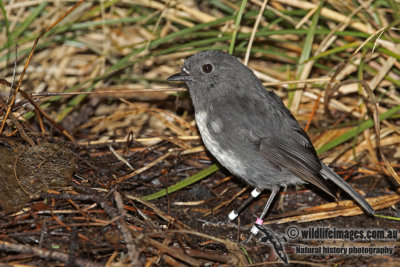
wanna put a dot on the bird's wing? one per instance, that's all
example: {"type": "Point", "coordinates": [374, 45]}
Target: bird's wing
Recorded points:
{"type": "Point", "coordinates": [265, 123]}
{"type": "Point", "coordinates": [296, 153]}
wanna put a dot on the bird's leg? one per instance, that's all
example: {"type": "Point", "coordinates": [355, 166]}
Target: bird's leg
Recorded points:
{"type": "Point", "coordinates": [234, 213]}
{"type": "Point", "coordinates": [260, 220]}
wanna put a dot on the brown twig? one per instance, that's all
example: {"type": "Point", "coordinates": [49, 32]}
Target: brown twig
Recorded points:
{"type": "Point", "coordinates": [138, 171]}
{"type": "Point", "coordinates": [45, 254]}
{"type": "Point", "coordinates": [314, 111]}
{"type": "Point", "coordinates": [130, 245]}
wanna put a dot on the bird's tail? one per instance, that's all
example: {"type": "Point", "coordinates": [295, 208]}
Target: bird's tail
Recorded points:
{"type": "Point", "coordinates": [327, 173]}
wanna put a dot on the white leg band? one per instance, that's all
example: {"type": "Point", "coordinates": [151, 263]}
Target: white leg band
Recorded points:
{"type": "Point", "coordinates": [255, 192]}
{"type": "Point", "coordinates": [254, 230]}
{"type": "Point", "coordinates": [232, 215]}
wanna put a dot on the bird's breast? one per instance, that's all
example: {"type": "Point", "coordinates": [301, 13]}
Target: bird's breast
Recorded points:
{"type": "Point", "coordinates": [218, 143]}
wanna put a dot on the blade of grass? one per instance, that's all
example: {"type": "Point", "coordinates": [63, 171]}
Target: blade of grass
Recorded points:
{"type": "Point", "coordinates": [97, 9]}
{"type": "Point", "coordinates": [7, 25]}
{"type": "Point", "coordinates": [387, 217]}
{"type": "Point", "coordinates": [305, 68]}
{"type": "Point", "coordinates": [222, 6]}
{"type": "Point", "coordinates": [6, 22]}
{"type": "Point", "coordinates": [335, 50]}
{"type": "Point", "coordinates": [395, 8]}
{"type": "Point", "coordinates": [182, 184]}
{"type": "Point", "coordinates": [237, 24]}
{"type": "Point", "coordinates": [24, 25]}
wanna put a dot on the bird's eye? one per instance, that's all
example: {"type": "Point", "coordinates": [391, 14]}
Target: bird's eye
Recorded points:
{"type": "Point", "coordinates": [207, 68]}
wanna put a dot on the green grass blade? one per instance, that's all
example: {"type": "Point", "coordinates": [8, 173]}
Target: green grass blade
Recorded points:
{"type": "Point", "coordinates": [7, 26]}
{"type": "Point", "coordinates": [97, 9]}
{"type": "Point", "coordinates": [387, 217]}
{"type": "Point", "coordinates": [6, 22]}
{"type": "Point", "coordinates": [25, 24]}
{"type": "Point", "coordinates": [307, 47]}
{"type": "Point", "coordinates": [246, 254]}
{"type": "Point", "coordinates": [335, 50]}
{"type": "Point", "coordinates": [222, 6]}
{"type": "Point", "coordinates": [395, 8]}
{"type": "Point", "coordinates": [237, 24]}
{"type": "Point", "coordinates": [182, 184]}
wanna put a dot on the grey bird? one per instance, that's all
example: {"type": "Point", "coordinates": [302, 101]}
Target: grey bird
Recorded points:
{"type": "Point", "coordinates": [250, 132]}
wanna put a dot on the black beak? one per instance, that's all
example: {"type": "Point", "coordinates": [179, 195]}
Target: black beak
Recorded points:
{"type": "Point", "coordinates": [180, 77]}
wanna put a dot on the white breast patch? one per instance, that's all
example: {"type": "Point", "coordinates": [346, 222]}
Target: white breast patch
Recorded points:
{"type": "Point", "coordinates": [225, 156]}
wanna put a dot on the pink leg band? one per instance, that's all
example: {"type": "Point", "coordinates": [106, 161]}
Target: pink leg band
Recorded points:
{"type": "Point", "coordinates": [259, 221]}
